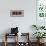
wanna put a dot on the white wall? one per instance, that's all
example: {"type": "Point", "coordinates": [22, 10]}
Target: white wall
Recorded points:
{"type": "Point", "coordinates": [24, 23]}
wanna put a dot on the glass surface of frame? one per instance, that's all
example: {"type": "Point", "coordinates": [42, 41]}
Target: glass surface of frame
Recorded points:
{"type": "Point", "coordinates": [41, 8]}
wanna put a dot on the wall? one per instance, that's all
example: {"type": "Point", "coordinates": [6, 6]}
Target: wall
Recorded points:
{"type": "Point", "coordinates": [24, 23]}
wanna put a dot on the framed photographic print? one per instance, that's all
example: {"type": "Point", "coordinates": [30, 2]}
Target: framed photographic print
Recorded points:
{"type": "Point", "coordinates": [41, 12]}
{"type": "Point", "coordinates": [17, 13]}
